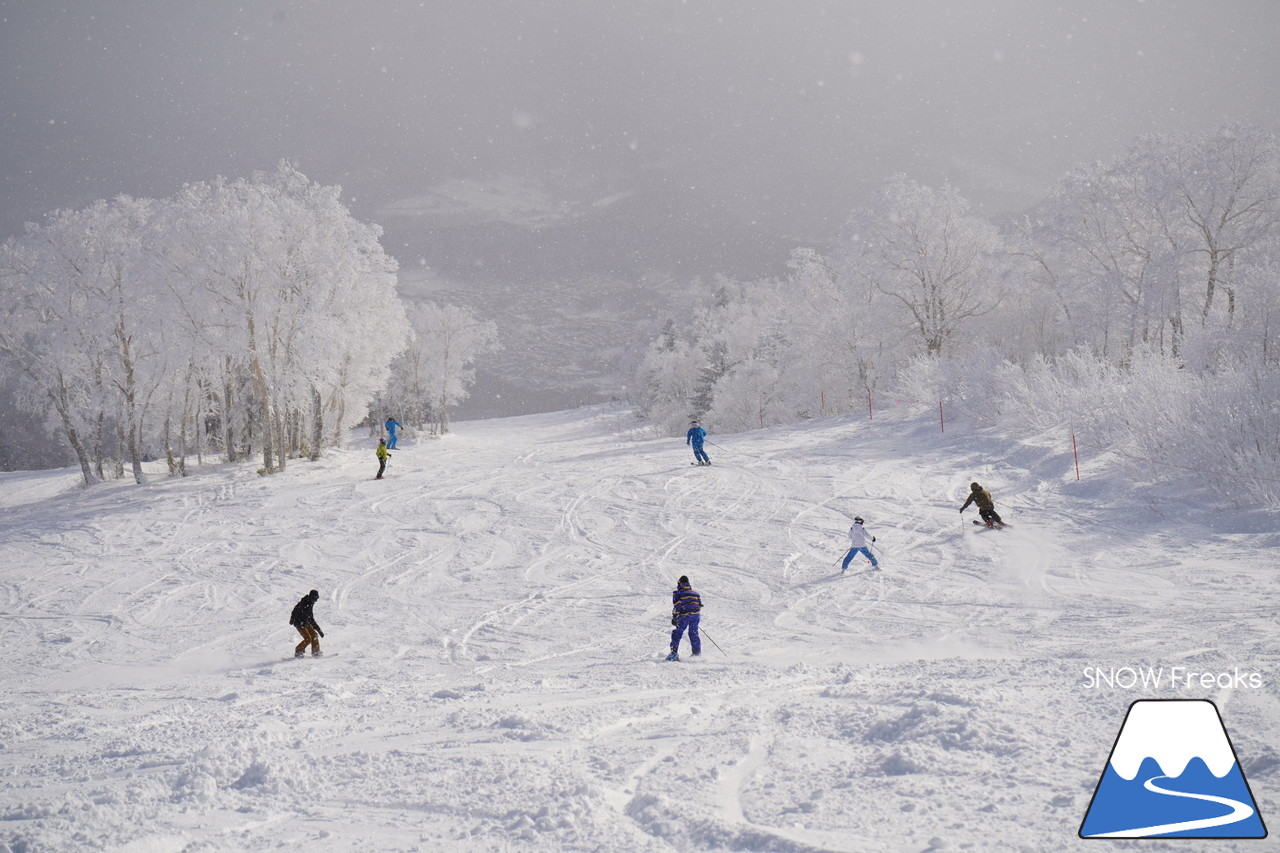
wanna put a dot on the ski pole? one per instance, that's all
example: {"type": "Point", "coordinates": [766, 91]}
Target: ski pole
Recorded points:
{"type": "Point", "coordinates": [713, 642]}
{"type": "Point", "coordinates": [713, 444]}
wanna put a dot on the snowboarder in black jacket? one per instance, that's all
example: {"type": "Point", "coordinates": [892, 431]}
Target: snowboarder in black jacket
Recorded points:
{"type": "Point", "coordinates": [304, 620]}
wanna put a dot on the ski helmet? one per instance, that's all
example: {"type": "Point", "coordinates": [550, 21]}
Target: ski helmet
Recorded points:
{"type": "Point", "coordinates": [857, 519]}
{"type": "Point", "coordinates": [684, 581]}
{"type": "Point", "coordinates": [313, 594]}
{"type": "Point", "coordinates": [974, 487]}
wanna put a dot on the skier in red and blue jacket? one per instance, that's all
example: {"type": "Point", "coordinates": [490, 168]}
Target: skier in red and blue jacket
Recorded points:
{"type": "Point", "coordinates": [686, 605]}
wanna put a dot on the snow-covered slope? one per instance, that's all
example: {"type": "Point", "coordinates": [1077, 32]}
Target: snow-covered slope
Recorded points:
{"type": "Point", "coordinates": [496, 612]}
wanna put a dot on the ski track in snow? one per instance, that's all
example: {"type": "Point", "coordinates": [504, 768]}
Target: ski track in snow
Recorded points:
{"type": "Point", "coordinates": [497, 609]}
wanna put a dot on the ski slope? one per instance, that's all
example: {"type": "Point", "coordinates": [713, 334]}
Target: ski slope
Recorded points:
{"type": "Point", "coordinates": [496, 615]}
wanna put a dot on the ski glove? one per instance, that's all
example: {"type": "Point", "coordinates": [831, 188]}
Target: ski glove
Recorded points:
{"type": "Point", "coordinates": [321, 633]}
{"type": "Point", "coordinates": [674, 620]}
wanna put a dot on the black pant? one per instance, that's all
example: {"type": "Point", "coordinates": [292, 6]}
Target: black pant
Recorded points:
{"type": "Point", "coordinates": [382, 466]}
{"type": "Point", "coordinates": [990, 516]}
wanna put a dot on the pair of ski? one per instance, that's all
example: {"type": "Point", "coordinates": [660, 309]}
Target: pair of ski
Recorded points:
{"type": "Point", "coordinates": [996, 526]}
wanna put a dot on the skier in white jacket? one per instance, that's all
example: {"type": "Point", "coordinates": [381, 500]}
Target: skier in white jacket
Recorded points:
{"type": "Point", "coordinates": [861, 541]}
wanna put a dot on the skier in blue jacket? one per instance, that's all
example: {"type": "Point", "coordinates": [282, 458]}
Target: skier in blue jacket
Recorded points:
{"type": "Point", "coordinates": [392, 424]}
{"type": "Point", "coordinates": [695, 436]}
{"type": "Point", "coordinates": [686, 605]}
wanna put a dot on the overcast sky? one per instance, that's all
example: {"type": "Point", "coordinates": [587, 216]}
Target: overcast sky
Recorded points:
{"type": "Point", "coordinates": [786, 111]}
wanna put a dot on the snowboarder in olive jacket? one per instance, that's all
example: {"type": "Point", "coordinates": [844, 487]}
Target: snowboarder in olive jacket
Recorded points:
{"type": "Point", "coordinates": [382, 455]}
{"type": "Point", "coordinates": [986, 506]}
{"type": "Point", "coordinates": [304, 620]}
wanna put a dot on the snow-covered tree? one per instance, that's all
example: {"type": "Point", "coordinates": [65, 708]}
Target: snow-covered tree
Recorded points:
{"type": "Point", "coordinates": [258, 305]}
{"type": "Point", "coordinates": [835, 356]}
{"type": "Point", "coordinates": [119, 278]}
{"type": "Point", "coordinates": [1104, 238]}
{"type": "Point", "coordinates": [435, 371]}
{"type": "Point", "coordinates": [1165, 233]}
{"type": "Point", "coordinates": [938, 264]}
{"type": "Point", "coordinates": [38, 329]}
{"type": "Point", "coordinates": [80, 330]}
{"type": "Point", "coordinates": [293, 300]}
{"type": "Point", "coordinates": [1227, 187]}
{"type": "Point", "coordinates": [666, 380]}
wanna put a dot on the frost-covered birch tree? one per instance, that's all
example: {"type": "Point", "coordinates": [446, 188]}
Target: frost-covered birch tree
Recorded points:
{"type": "Point", "coordinates": [436, 371]}
{"type": "Point", "coordinates": [1167, 232]}
{"type": "Point", "coordinates": [294, 300]}
{"type": "Point", "coordinates": [1104, 238]}
{"type": "Point", "coordinates": [937, 263]}
{"type": "Point", "coordinates": [79, 330]}
{"type": "Point", "coordinates": [37, 332]}
{"type": "Point", "coordinates": [258, 306]}
{"type": "Point", "coordinates": [1227, 187]}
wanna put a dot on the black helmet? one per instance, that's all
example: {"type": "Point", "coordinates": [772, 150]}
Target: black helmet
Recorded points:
{"type": "Point", "coordinates": [974, 487]}
{"type": "Point", "coordinates": [857, 519]}
{"type": "Point", "coordinates": [313, 594]}
{"type": "Point", "coordinates": [684, 581]}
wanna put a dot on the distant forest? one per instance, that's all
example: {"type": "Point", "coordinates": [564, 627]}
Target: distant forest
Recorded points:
{"type": "Point", "coordinates": [1138, 305]}
{"type": "Point", "coordinates": [238, 319]}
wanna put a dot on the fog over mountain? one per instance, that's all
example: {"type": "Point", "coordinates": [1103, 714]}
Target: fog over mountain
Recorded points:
{"type": "Point", "coordinates": [567, 166]}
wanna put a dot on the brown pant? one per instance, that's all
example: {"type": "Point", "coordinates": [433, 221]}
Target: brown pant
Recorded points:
{"type": "Point", "coordinates": [309, 635]}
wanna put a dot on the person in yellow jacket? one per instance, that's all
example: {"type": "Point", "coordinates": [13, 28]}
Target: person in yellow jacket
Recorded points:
{"type": "Point", "coordinates": [986, 506]}
{"type": "Point", "coordinates": [382, 457]}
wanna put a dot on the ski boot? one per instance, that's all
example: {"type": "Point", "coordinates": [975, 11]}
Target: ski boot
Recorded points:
{"type": "Point", "coordinates": [673, 656]}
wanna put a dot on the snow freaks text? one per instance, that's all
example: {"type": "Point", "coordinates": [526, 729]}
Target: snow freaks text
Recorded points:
{"type": "Point", "coordinates": [1173, 677]}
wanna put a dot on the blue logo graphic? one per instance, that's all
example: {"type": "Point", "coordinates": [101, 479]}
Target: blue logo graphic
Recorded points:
{"type": "Point", "coordinates": [1172, 774]}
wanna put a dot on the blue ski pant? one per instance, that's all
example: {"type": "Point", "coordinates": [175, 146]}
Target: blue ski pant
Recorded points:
{"type": "Point", "coordinates": [391, 442]}
{"type": "Point", "coordinates": [853, 552]}
{"type": "Point", "coordinates": [690, 621]}
{"type": "Point", "coordinates": [700, 454]}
